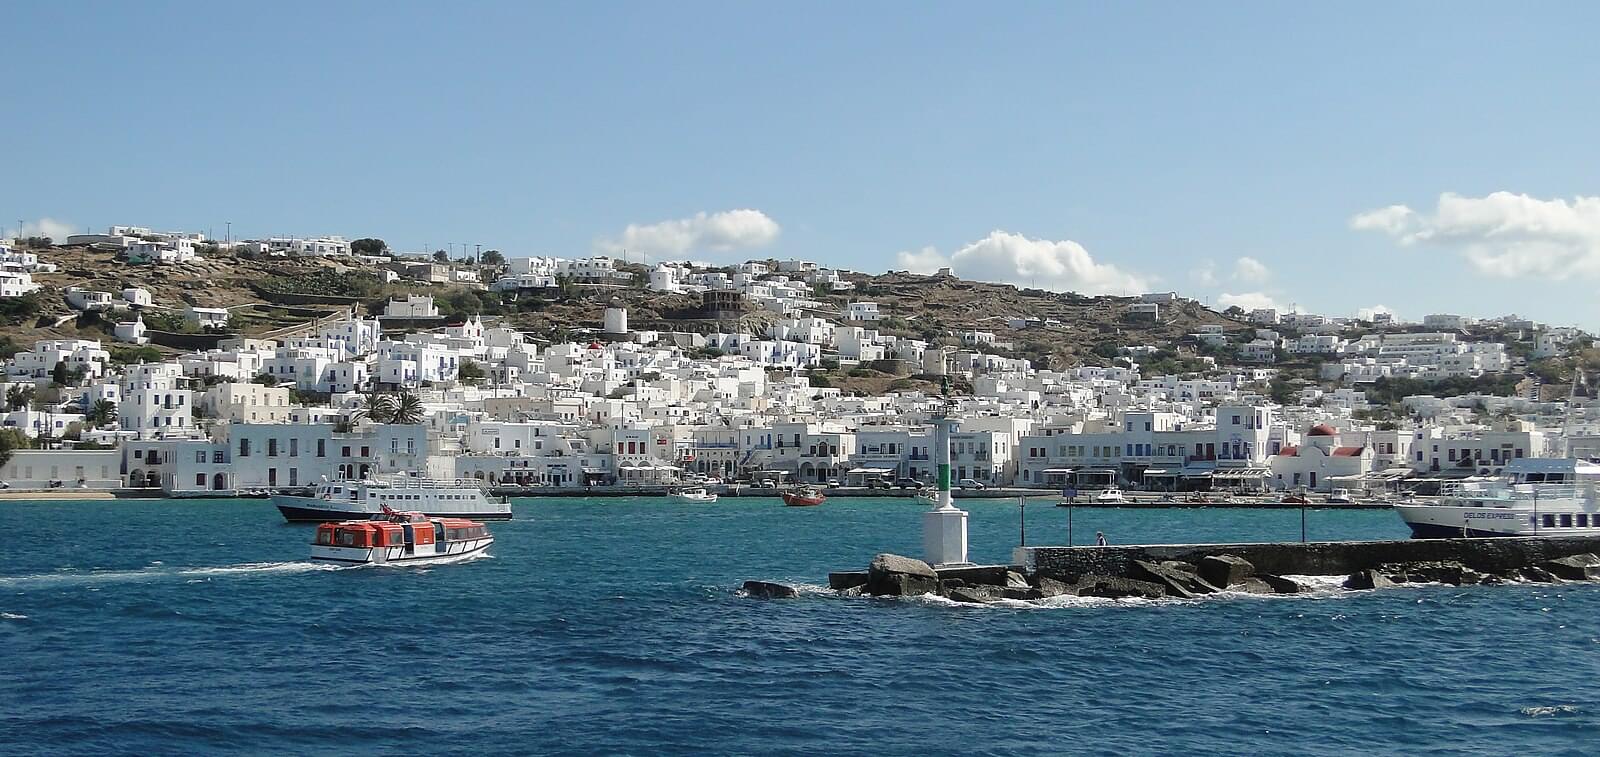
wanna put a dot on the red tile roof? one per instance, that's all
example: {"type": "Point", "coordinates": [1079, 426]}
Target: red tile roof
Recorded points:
{"type": "Point", "coordinates": [1347, 451]}
{"type": "Point", "coordinates": [1290, 452]}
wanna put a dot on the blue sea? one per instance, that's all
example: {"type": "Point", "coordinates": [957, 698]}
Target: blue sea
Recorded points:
{"type": "Point", "coordinates": [615, 626]}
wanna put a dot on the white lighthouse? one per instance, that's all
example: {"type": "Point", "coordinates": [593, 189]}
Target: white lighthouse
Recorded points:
{"type": "Point", "coordinates": [944, 528]}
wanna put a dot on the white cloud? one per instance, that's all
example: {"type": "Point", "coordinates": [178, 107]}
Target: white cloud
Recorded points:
{"type": "Point", "coordinates": [1205, 275]}
{"type": "Point", "coordinates": [1251, 270]}
{"type": "Point", "coordinates": [1015, 259]}
{"type": "Point", "coordinates": [1250, 301]}
{"type": "Point", "coordinates": [1366, 314]}
{"type": "Point", "coordinates": [725, 231]}
{"type": "Point", "coordinates": [1502, 234]}
{"type": "Point", "coordinates": [924, 261]}
{"type": "Point", "coordinates": [47, 227]}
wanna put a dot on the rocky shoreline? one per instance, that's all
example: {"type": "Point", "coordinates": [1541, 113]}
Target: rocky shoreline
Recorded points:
{"type": "Point", "coordinates": [891, 575]}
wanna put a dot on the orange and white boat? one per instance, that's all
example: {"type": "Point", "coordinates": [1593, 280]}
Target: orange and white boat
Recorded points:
{"type": "Point", "coordinates": [803, 496]}
{"type": "Point", "coordinates": [400, 538]}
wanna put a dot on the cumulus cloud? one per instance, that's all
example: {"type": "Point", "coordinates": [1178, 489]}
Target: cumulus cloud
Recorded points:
{"type": "Point", "coordinates": [47, 227]}
{"type": "Point", "coordinates": [924, 261]}
{"type": "Point", "coordinates": [1501, 234]}
{"type": "Point", "coordinates": [1016, 259]}
{"type": "Point", "coordinates": [1205, 275]}
{"type": "Point", "coordinates": [1251, 270]}
{"type": "Point", "coordinates": [725, 231]}
{"type": "Point", "coordinates": [1366, 314]}
{"type": "Point", "coordinates": [1250, 301]}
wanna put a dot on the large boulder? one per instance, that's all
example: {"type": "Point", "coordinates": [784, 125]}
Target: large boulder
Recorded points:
{"type": "Point", "coordinates": [1280, 585]}
{"type": "Point", "coordinates": [1015, 580]}
{"type": "Point", "coordinates": [977, 594]}
{"type": "Point", "coordinates": [1537, 575]}
{"type": "Point", "coordinates": [1027, 593]}
{"type": "Point", "coordinates": [1223, 571]}
{"type": "Point", "coordinates": [898, 576]}
{"type": "Point", "coordinates": [770, 590]}
{"type": "Point", "coordinates": [1117, 588]}
{"type": "Point", "coordinates": [1050, 587]}
{"type": "Point", "coordinates": [1584, 567]}
{"type": "Point", "coordinates": [974, 575]}
{"type": "Point", "coordinates": [1368, 579]}
{"type": "Point", "coordinates": [847, 580]}
{"type": "Point", "coordinates": [1176, 581]}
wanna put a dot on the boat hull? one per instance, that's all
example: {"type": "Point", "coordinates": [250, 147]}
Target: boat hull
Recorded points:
{"type": "Point", "coordinates": [313, 510]}
{"type": "Point", "coordinates": [1447, 522]}
{"type": "Point", "coordinates": [795, 500]}
{"type": "Point", "coordinates": [454, 551]}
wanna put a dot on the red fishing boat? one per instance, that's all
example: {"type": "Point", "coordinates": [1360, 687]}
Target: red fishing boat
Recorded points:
{"type": "Point", "coordinates": [803, 496]}
{"type": "Point", "coordinates": [400, 538]}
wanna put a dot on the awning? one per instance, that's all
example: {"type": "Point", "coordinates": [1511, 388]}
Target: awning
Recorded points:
{"type": "Point", "coordinates": [1057, 470]}
{"type": "Point", "coordinates": [868, 471]}
{"type": "Point", "coordinates": [1158, 472]}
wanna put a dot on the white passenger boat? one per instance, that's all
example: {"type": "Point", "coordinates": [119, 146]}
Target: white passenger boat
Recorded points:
{"type": "Point", "coordinates": [1533, 497]}
{"type": "Point", "coordinates": [1112, 496]}
{"type": "Point", "coordinates": [692, 495]}
{"type": "Point", "coordinates": [355, 499]}
{"type": "Point", "coordinates": [400, 538]}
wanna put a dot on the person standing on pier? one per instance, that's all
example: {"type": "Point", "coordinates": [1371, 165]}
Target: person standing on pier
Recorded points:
{"type": "Point", "coordinates": [1100, 538]}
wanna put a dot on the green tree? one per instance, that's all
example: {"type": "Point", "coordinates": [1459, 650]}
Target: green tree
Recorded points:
{"type": "Point", "coordinates": [19, 397]}
{"type": "Point", "coordinates": [102, 413]}
{"type": "Point", "coordinates": [376, 407]}
{"type": "Point", "coordinates": [265, 379]}
{"type": "Point", "coordinates": [470, 372]}
{"type": "Point", "coordinates": [10, 441]}
{"type": "Point", "coordinates": [60, 374]}
{"type": "Point", "coordinates": [408, 410]}
{"type": "Point", "coordinates": [369, 246]}
{"type": "Point", "coordinates": [492, 257]}
{"type": "Point", "coordinates": [440, 256]}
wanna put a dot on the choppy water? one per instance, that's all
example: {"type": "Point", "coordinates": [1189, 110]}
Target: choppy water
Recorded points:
{"type": "Point", "coordinates": [614, 627]}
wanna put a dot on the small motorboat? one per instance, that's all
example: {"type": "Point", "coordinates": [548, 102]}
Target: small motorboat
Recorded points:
{"type": "Point", "coordinates": [1109, 496]}
{"type": "Point", "coordinates": [400, 538]}
{"type": "Point", "coordinates": [1341, 497]}
{"type": "Point", "coordinates": [692, 495]}
{"type": "Point", "coordinates": [803, 496]}
{"type": "Point", "coordinates": [928, 495]}
{"type": "Point", "coordinates": [1296, 499]}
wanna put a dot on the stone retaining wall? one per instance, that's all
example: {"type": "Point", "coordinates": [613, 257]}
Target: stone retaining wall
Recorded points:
{"type": "Point", "coordinates": [1491, 555]}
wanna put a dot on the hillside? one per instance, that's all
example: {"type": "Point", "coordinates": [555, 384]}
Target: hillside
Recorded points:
{"type": "Point", "coordinates": [1065, 331]}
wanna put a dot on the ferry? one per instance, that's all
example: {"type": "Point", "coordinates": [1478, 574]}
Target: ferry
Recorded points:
{"type": "Point", "coordinates": [400, 538]}
{"type": "Point", "coordinates": [1532, 497]}
{"type": "Point", "coordinates": [365, 498]}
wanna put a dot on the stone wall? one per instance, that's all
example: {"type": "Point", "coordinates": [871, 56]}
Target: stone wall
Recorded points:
{"type": "Point", "coordinates": [1491, 555]}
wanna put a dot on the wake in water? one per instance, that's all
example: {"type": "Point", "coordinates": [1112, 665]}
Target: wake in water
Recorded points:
{"type": "Point", "coordinates": [156, 572]}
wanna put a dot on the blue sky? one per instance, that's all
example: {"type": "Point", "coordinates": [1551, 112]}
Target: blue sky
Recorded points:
{"type": "Point", "coordinates": [1071, 146]}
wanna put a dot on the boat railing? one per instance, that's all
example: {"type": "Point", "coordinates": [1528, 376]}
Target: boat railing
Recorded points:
{"type": "Point", "coordinates": [411, 482]}
{"type": "Point", "coordinates": [1504, 492]}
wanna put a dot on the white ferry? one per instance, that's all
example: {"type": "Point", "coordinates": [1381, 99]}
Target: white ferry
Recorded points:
{"type": "Point", "coordinates": [1533, 497]}
{"type": "Point", "coordinates": [400, 538]}
{"type": "Point", "coordinates": [355, 499]}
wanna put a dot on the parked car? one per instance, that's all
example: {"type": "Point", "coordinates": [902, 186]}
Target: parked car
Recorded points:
{"type": "Point", "coordinates": [832, 483]}
{"type": "Point", "coordinates": [969, 483]}
{"type": "Point", "coordinates": [907, 483]}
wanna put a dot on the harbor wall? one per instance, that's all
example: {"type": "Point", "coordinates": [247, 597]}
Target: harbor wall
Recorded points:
{"type": "Point", "coordinates": [1489, 555]}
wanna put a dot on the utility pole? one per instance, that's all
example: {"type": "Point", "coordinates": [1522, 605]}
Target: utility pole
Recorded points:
{"type": "Point", "coordinates": [477, 255]}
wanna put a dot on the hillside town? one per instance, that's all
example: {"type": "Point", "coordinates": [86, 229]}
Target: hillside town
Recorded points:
{"type": "Point", "coordinates": [767, 371]}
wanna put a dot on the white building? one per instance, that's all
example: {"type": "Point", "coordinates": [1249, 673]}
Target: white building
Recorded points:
{"type": "Point", "coordinates": [862, 311]}
{"type": "Point", "coordinates": [411, 306]}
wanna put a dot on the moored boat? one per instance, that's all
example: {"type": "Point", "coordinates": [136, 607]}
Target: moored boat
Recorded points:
{"type": "Point", "coordinates": [803, 496]}
{"type": "Point", "coordinates": [692, 495]}
{"type": "Point", "coordinates": [400, 538]}
{"type": "Point", "coordinates": [1533, 497]}
{"type": "Point", "coordinates": [366, 498]}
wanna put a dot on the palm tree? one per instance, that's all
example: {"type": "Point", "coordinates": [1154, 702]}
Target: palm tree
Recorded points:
{"type": "Point", "coordinates": [19, 397]}
{"type": "Point", "coordinates": [102, 413]}
{"type": "Point", "coordinates": [376, 407]}
{"type": "Point", "coordinates": [408, 410]}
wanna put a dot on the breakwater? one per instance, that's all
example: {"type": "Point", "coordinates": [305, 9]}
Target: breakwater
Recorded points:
{"type": "Point", "coordinates": [1489, 555]}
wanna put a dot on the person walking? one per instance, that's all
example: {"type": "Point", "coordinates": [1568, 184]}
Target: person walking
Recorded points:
{"type": "Point", "coordinates": [1100, 538]}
